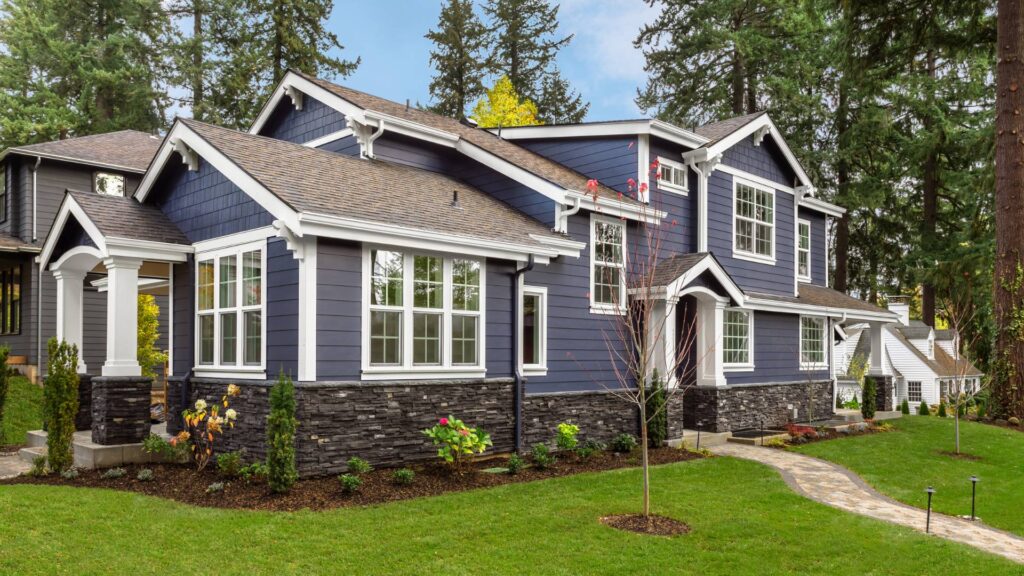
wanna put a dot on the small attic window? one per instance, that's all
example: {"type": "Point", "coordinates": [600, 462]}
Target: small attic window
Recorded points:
{"type": "Point", "coordinates": [108, 184]}
{"type": "Point", "coordinates": [672, 176]}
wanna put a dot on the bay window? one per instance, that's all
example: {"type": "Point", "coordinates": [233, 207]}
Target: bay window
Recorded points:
{"type": "Point", "coordinates": [607, 264]}
{"type": "Point", "coordinates": [812, 342]}
{"type": "Point", "coordinates": [754, 223]}
{"type": "Point", "coordinates": [230, 307]}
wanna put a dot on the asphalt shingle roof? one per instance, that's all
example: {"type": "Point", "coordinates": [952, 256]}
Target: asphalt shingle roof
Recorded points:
{"type": "Point", "coordinates": [120, 217]}
{"type": "Point", "coordinates": [673, 267]}
{"type": "Point", "coordinates": [716, 131]}
{"type": "Point", "coordinates": [813, 295]}
{"type": "Point", "coordinates": [9, 243]}
{"type": "Point", "coordinates": [128, 150]}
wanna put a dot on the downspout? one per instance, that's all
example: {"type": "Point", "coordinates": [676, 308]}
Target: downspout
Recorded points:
{"type": "Point", "coordinates": [39, 275]}
{"type": "Point", "coordinates": [516, 364]}
{"type": "Point", "coordinates": [35, 170]}
{"type": "Point", "coordinates": [562, 215]}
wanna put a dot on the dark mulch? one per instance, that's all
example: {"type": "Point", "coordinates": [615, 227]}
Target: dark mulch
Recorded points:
{"type": "Point", "coordinates": [960, 456]}
{"type": "Point", "coordinates": [816, 436]}
{"type": "Point", "coordinates": [652, 525]}
{"type": "Point", "coordinates": [183, 484]}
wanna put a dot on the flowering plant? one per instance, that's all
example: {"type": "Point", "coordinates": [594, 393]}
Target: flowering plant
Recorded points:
{"type": "Point", "coordinates": [454, 440]}
{"type": "Point", "coordinates": [203, 424]}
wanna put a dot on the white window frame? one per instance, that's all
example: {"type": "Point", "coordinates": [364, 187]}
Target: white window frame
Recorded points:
{"type": "Point", "coordinates": [103, 173]}
{"type": "Point", "coordinates": [539, 368]}
{"type": "Point", "coordinates": [602, 307]}
{"type": "Point", "coordinates": [809, 250]}
{"type": "Point", "coordinates": [407, 370]}
{"type": "Point", "coordinates": [667, 186]}
{"type": "Point", "coordinates": [823, 365]}
{"type": "Point", "coordinates": [749, 364]}
{"type": "Point", "coordinates": [744, 254]}
{"type": "Point", "coordinates": [239, 369]}
{"type": "Point", "coordinates": [920, 391]}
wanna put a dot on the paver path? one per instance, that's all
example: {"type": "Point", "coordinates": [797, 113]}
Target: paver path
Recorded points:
{"type": "Point", "coordinates": [12, 465]}
{"type": "Point", "coordinates": [836, 486]}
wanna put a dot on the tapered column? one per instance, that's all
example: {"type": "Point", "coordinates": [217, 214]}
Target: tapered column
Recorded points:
{"type": "Point", "coordinates": [122, 316]}
{"type": "Point", "coordinates": [69, 310]}
{"type": "Point", "coordinates": [877, 349]}
{"type": "Point", "coordinates": [709, 343]}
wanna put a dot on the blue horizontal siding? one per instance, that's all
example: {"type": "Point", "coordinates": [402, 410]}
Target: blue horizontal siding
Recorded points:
{"type": "Point", "coordinates": [682, 210]}
{"type": "Point", "coordinates": [316, 119]}
{"type": "Point", "coordinates": [499, 318]}
{"type": "Point", "coordinates": [766, 160]}
{"type": "Point", "coordinates": [819, 247]}
{"type": "Point", "coordinates": [611, 161]}
{"type": "Point", "coordinates": [338, 310]}
{"type": "Point", "coordinates": [776, 352]}
{"type": "Point", "coordinates": [282, 310]}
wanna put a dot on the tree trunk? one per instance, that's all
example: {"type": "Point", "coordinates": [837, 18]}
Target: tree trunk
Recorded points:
{"type": "Point", "coordinates": [278, 51]}
{"type": "Point", "coordinates": [739, 73]}
{"type": "Point", "coordinates": [1009, 285]}
{"type": "Point", "coordinates": [645, 464]}
{"type": "Point", "coordinates": [930, 190]}
{"type": "Point", "coordinates": [198, 56]}
{"type": "Point", "coordinates": [842, 183]}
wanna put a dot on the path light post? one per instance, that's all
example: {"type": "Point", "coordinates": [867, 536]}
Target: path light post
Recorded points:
{"type": "Point", "coordinates": [928, 521]}
{"type": "Point", "coordinates": [761, 418]}
{"type": "Point", "coordinates": [974, 493]}
{"type": "Point", "coordinates": [698, 436]}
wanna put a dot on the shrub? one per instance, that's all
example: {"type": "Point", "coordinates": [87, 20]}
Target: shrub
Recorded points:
{"type": "Point", "coordinates": [229, 464]}
{"type": "Point", "coordinates": [1013, 421]}
{"type": "Point", "coordinates": [204, 425]}
{"type": "Point", "coordinates": [566, 438]}
{"type": "Point", "coordinates": [38, 467]}
{"type": "Point", "coordinates": [776, 443]}
{"type": "Point", "coordinates": [542, 456]}
{"type": "Point", "coordinates": [942, 408]}
{"type": "Point", "coordinates": [145, 475]}
{"type": "Point", "coordinates": [454, 440]}
{"type": "Point", "coordinates": [4, 386]}
{"type": "Point", "coordinates": [923, 409]}
{"type": "Point", "coordinates": [114, 474]}
{"type": "Point", "coordinates": [852, 403]}
{"type": "Point", "coordinates": [905, 407]}
{"type": "Point", "coordinates": [869, 401]}
{"type": "Point", "coordinates": [515, 464]}
{"type": "Point", "coordinates": [257, 471]}
{"type": "Point", "coordinates": [589, 448]}
{"type": "Point", "coordinates": [798, 431]}
{"type": "Point", "coordinates": [281, 424]}
{"type": "Point", "coordinates": [60, 403]}
{"type": "Point", "coordinates": [215, 487]}
{"type": "Point", "coordinates": [176, 452]}
{"type": "Point", "coordinates": [885, 427]}
{"type": "Point", "coordinates": [657, 414]}
{"type": "Point", "coordinates": [623, 443]}
{"type": "Point", "coordinates": [403, 476]}
{"type": "Point", "coordinates": [350, 483]}
{"type": "Point", "coordinates": [148, 330]}
{"type": "Point", "coordinates": [358, 465]}
{"type": "Point", "coordinates": [69, 474]}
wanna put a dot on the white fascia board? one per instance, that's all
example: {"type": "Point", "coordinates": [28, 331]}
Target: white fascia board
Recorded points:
{"type": "Point", "coordinates": [413, 129]}
{"type": "Point", "coordinates": [755, 178]}
{"type": "Point", "coordinates": [817, 205]}
{"type": "Point", "coordinates": [236, 239]}
{"type": "Point", "coordinates": [521, 175]}
{"type": "Point", "coordinates": [767, 305]}
{"type": "Point", "coordinates": [618, 209]}
{"type": "Point", "coordinates": [709, 264]}
{"type": "Point", "coordinates": [379, 233]}
{"type": "Point", "coordinates": [332, 137]}
{"type": "Point", "coordinates": [657, 128]}
{"type": "Point", "coordinates": [69, 208]}
{"type": "Point", "coordinates": [564, 246]}
{"type": "Point", "coordinates": [753, 126]}
{"type": "Point", "coordinates": [147, 250]}
{"type": "Point", "coordinates": [311, 89]}
{"type": "Point", "coordinates": [69, 159]}
{"type": "Point", "coordinates": [676, 134]}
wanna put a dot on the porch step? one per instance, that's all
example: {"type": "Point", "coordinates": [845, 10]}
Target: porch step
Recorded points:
{"type": "Point", "coordinates": [34, 438]}
{"type": "Point", "coordinates": [30, 453]}
{"type": "Point", "coordinates": [757, 441]}
{"type": "Point", "coordinates": [707, 439]}
{"type": "Point", "coordinates": [89, 455]}
{"type": "Point", "coordinates": [890, 415]}
{"type": "Point", "coordinates": [849, 415]}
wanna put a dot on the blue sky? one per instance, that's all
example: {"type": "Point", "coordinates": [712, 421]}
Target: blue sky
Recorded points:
{"type": "Point", "coordinates": [600, 62]}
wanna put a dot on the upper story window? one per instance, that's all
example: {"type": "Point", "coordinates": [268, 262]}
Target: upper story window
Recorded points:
{"type": "Point", "coordinates": [803, 250]}
{"type": "Point", "coordinates": [738, 338]}
{"type": "Point", "coordinates": [754, 223]}
{"type": "Point", "coordinates": [534, 327]}
{"type": "Point", "coordinates": [108, 184]}
{"type": "Point", "coordinates": [812, 342]}
{"type": "Point", "coordinates": [3, 193]}
{"type": "Point", "coordinates": [230, 308]}
{"type": "Point", "coordinates": [607, 264]}
{"type": "Point", "coordinates": [423, 312]}
{"type": "Point", "coordinates": [672, 176]}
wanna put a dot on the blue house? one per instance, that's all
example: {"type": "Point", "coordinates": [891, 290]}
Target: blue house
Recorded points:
{"type": "Point", "coordinates": [403, 266]}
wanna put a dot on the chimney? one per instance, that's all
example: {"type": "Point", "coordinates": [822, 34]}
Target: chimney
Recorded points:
{"type": "Point", "coordinates": [901, 306]}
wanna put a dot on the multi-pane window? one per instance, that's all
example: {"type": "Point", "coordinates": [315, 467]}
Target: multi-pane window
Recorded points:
{"type": "Point", "coordinates": [10, 300]}
{"type": "Point", "coordinates": [424, 310]}
{"type": "Point", "coordinates": [754, 221]}
{"type": "Point", "coordinates": [608, 239]}
{"type": "Point", "coordinates": [812, 341]}
{"type": "Point", "coordinates": [736, 337]}
{"type": "Point", "coordinates": [108, 184]}
{"type": "Point", "coordinates": [534, 328]}
{"type": "Point", "coordinates": [803, 250]}
{"type": "Point", "coordinates": [672, 176]}
{"type": "Point", "coordinates": [914, 390]}
{"type": "Point", "coordinates": [229, 302]}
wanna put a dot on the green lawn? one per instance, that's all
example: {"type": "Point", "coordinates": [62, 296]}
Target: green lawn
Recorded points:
{"type": "Point", "coordinates": [23, 411]}
{"type": "Point", "coordinates": [745, 521]}
{"type": "Point", "coordinates": [903, 463]}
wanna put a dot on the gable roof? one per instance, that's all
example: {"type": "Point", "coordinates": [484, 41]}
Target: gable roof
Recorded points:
{"type": "Point", "coordinates": [716, 131]}
{"type": "Point", "coordinates": [119, 217]}
{"type": "Point", "coordinates": [673, 274]}
{"type": "Point", "coordinates": [917, 330]}
{"type": "Point", "coordinates": [125, 150]}
{"type": "Point", "coordinates": [827, 299]}
{"type": "Point", "coordinates": [943, 365]}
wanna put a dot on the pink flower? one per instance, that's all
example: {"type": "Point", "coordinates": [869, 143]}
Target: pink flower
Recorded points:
{"type": "Point", "coordinates": [443, 421]}
{"type": "Point", "coordinates": [464, 432]}
{"type": "Point", "coordinates": [631, 183]}
{"type": "Point", "coordinates": [643, 187]}
{"type": "Point", "coordinates": [592, 185]}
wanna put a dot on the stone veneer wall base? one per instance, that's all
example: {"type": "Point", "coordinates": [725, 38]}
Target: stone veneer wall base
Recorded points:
{"type": "Point", "coordinates": [83, 419]}
{"type": "Point", "coordinates": [730, 408]}
{"type": "Point", "coordinates": [120, 409]}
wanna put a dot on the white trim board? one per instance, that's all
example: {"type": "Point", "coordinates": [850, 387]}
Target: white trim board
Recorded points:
{"type": "Point", "coordinates": [657, 128]}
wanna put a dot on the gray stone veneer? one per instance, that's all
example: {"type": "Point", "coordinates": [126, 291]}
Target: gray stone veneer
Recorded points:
{"type": "Point", "coordinates": [120, 409]}
{"type": "Point", "coordinates": [83, 419]}
{"type": "Point", "coordinates": [884, 393]}
{"type": "Point", "coordinates": [730, 408]}
{"type": "Point", "coordinates": [600, 416]}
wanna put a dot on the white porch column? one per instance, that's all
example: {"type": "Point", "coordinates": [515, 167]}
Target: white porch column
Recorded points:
{"type": "Point", "coordinates": [69, 310]}
{"type": "Point", "coordinates": [710, 355]}
{"type": "Point", "coordinates": [661, 335]}
{"type": "Point", "coordinates": [877, 349]}
{"type": "Point", "coordinates": [122, 316]}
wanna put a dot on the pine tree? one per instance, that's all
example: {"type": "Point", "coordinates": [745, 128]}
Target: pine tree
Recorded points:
{"type": "Point", "coordinates": [561, 103]}
{"type": "Point", "coordinates": [281, 425]}
{"type": "Point", "coordinates": [870, 398]}
{"type": "Point", "coordinates": [460, 40]}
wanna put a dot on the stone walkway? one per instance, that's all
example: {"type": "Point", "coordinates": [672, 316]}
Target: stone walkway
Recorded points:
{"type": "Point", "coordinates": [12, 465]}
{"type": "Point", "coordinates": [838, 487]}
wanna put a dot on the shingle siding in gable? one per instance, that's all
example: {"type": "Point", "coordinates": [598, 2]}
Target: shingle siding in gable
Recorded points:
{"type": "Point", "coordinates": [316, 119]}
{"type": "Point", "coordinates": [338, 310]}
{"type": "Point", "coordinates": [776, 352]}
{"type": "Point", "coordinates": [819, 246]}
{"type": "Point", "coordinates": [282, 310]}
{"type": "Point", "coordinates": [766, 160]}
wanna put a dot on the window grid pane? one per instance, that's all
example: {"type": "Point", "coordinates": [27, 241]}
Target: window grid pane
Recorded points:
{"type": "Point", "coordinates": [914, 391]}
{"type": "Point", "coordinates": [252, 278]}
{"type": "Point", "coordinates": [804, 250]}
{"type": "Point", "coordinates": [466, 285]}
{"type": "Point", "coordinates": [755, 220]}
{"type": "Point", "coordinates": [228, 279]}
{"type": "Point", "coordinates": [812, 332]}
{"type": "Point", "coordinates": [387, 272]}
{"type": "Point", "coordinates": [206, 339]}
{"type": "Point", "coordinates": [228, 338]}
{"type": "Point", "coordinates": [386, 338]}
{"type": "Point", "coordinates": [428, 282]}
{"type": "Point", "coordinates": [253, 338]}
{"type": "Point", "coordinates": [426, 339]}
{"type": "Point", "coordinates": [531, 329]}
{"type": "Point", "coordinates": [736, 346]}
{"type": "Point", "coordinates": [464, 340]}
{"type": "Point", "coordinates": [608, 263]}
{"type": "Point", "coordinates": [206, 285]}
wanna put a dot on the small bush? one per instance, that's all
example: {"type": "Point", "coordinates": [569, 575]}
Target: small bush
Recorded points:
{"type": "Point", "coordinates": [69, 474]}
{"type": "Point", "coordinates": [542, 457]}
{"type": "Point", "coordinates": [923, 410]}
{"type": "Point", "coordinates": [981, 411]}
{"type": "Point", "coordinates": [852, 403]}
{"type": "Point", "coordinates": [5, 376]}
{"type": "Point", "coordinates": [869, 404]}
{"type": "Point", "coordinates": [885, 427]}
{"type": "Point", "coordinates": [229, 464]}
{"type": "Point", "coordinates": [905, 407]}
{"type": "Point", "coordinates": [566, 438]}
{"type": "Point", "coordinates": [215, 488]}
{"type": "Point", "coordinates": [350, 483]}
{"type": "Point", "coordinates": [255, 472]}
{"type": "Point", "coordinates": [38, 467]}
{"type": "Point", "coordinates": [155, 444]}
{"type": "Point", "coordinates": [114, 474]}
{"type": "Point", "coordinates": [515, 464]}
{"type": "Point", "coordinates": [1013, 421]}
{"type": "Point", "coordinates": [403, 476]}
{"type": "Point", "coordinates": [455, 440]}
{"type": "Point", "coordinates": [358, 465]}
{"type": "Point", "coordinates": [281, 424]}
{"type": "Point", "coordinates": [776, 443]}
{"type": "Point", "coordinates": [145, 475]}
{"type": "Point", "coordinates": [942, 408]}
{"type": "Point", "coordinates": [60, 403]}
{"type": "Point", "coordinates": [589, 448]}
{"type": "Point", "coordinates": [657, 413]}
{"type": "Point", "coordinates": [623, 443]}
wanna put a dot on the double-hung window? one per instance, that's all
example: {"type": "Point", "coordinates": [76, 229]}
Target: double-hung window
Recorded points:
{"type": "Point", "coordinates": [672, 176]}
{"type": "Point", "coordinates": [607, 265]}
{"type": "Point", "coordinates": [533, 327]}
{"type": "Point", "coordinates": [812, 342]}
{"type": "Point", "coordinates": [803, 250]}
{"type": "Point", "coordinates": [425, 313]}
{"type": "Point", "coordinates": [229, 308]}
{"type": "Point", "coordinates": [754, 223]}
{"type": "Point", "coordinates": [914, 391]}
{"type": "Point", "coordinates": [738, 338]}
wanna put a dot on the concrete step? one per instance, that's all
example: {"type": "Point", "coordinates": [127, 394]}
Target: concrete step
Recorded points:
{"type": "Point", "coordinates": [89, 455]}
{"type": "Point", "coordinates": [849, 415]}
{"type": "Point", "coordinates": [707, 439]}
{"type": "Point", "coordinates": [758, 441]}
{"type": "Point", "coordinates": [35, 438]}
{"type": "Point", "coordinates": [30, 453]}
{"type": "Point", "coordinates": [891, 415]}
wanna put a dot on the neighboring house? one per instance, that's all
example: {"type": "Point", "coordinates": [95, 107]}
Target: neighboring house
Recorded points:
{"type": "Point", "coordinates": [403, 266]}
{"type": "Point", "coordinates": [34, 180]}
{"type": "Point", "coordinates": [924, 363]}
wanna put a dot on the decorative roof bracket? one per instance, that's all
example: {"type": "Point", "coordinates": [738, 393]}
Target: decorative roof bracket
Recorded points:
{"type": "Point", "coordinates": [188, 155]}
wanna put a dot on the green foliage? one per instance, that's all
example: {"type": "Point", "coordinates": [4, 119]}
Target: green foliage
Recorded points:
{"type": "Point", "coordinates": [215, 488]}
{"type": "Point", "coordinates": [870, 396]}
{"type": "Point", "coordinates": [981, 413]}
{"type": "Point", "coordinates": [852, 403]}
{"type": "Point", "coordinates": [155, 444]}
{"type": "Point", "coordinates": [566, 438]}
{"type": "Point", "coordinates": [350, 483]}
{"type": "Point", "coordinates": [455, 440]}
{"type": "Point", "coordinates": [589, 448]}
{"type": "Point", "coordinates": [623, 443]}
{"type": "Point", "coordinates": [149, 355]}
{"type": "Point", "coordinates": [255, 472]}
{"type": "Point", "coordinates": [515, 464]}
{"type": "Point", "coordinates": [905, 407]}
{"type": "Point", "coordinates": [357, 465]}
{"type": "Point", "coordinates": [145, 475]}
{"type": "Point", "coordinates": [542, 456]}
{"type": "Point", "coordinates": [657, 412]}
{"type": "Point", "coordinates": [501, 106]}
{"type": "Point", "coordinates": [281, 425]}
{"type": "Point", "coordinates": [942, 408]}
{"type": "Point", "coordinates": [39, 467]}
{"type": "Point", "coordinates": [460, 40]}
{"type": "Point", "coordinates": [23, 411]}
{"type": "Point", "coordinates": [5, 386]}
{"type": "Point", "coordinates": [70, 474]}
{"type": "Point", "coordinates": [229, 464]}
{"type": "Point", "coordinates": [403, 476]}
{"type": "Point", "coordinates": [60, 403]}
{"type": "Point", "coordinates": [923, 409]}
{"type": "Point", "coordinates": [114, 473]}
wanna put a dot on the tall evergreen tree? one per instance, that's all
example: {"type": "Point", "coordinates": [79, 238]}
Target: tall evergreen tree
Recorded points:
{"type": "Point", "coordinates": [460, 41]}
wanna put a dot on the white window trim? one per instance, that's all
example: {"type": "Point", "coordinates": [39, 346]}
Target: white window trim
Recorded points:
{"type": "Point", "coordinates": [809, 250]}
{"type": "Point", "coordinates": [408, 371]}
{"type": "Point", "coordinates": [238, 370]}
{"type": "Point", "coordinates": [747, 366]}
{"type": "Point", "coordinates": [95, 183]}
{"type": "Point", "coordinates": [600, 307]}
{"type": "Point", "coordinates": [668, 186]}
{"type": "Point", "coordinates": [540, 368]}
{"type": "Point", "coordinates": [743, 254]}
{"type": "Point", "coordinates": [823, 365]}
{"type": "Point", "coordinates": [920, 391]}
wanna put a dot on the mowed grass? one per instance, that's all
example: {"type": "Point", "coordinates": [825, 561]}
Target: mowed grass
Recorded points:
{"type": "Point", "coordinates": [23, 411]}
{"type": "Point", "coordinates": [745, 520]}
{"type": "Point", "coordinates": [904, 462]}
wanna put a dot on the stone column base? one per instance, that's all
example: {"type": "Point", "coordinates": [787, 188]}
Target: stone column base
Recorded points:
{"type": "Point", "coordinates": [83, 420]}
{"type": "Point", "coordinates": [178, 398]}
{"type": "Point", "coordinates": [884, 389]}
{"type": "Point", "coordinates": [120, 409]}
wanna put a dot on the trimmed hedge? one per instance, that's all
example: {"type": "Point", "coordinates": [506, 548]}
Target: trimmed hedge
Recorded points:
{"type": "Point", "coordinates": [281, 425]}
{"type": "Point", "coordinates": [60, 403]}
{"type": "Point", "coordinates": [870, 398]}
